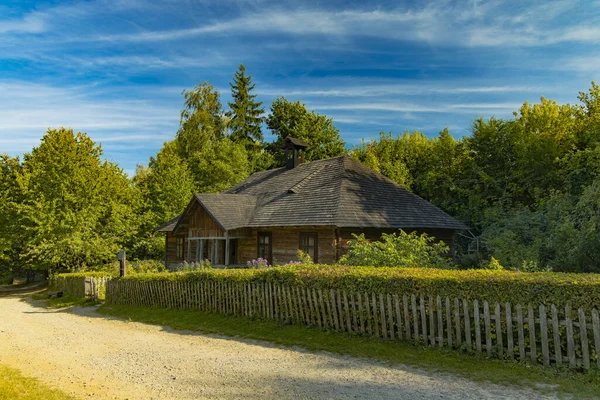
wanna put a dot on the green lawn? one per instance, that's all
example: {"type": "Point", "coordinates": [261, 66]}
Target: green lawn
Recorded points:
{"type": "Point", "coordinates": [68, 300]}
{"type": "Point", "coordinates": [581, 385]}
{"type": "Point", "coordinates": [14, 386]}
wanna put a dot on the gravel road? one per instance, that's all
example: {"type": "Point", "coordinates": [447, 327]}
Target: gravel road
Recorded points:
{"type": "Point", "coordinates": [88, 355]}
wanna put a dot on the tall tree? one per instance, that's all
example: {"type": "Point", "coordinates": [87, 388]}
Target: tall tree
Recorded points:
{"type": "Point", "coordinates": [201, 120]}
{"type": "Point", "coordinates": [293, 119]}
{"type": "Point", "coordinates": [77, 209]}
{"type": "Point", "coordinates": [10, 198]}
{"type": "Point", "coordinates": [246, 114]}
{"type": "Point", "coordinates": [165, 187]}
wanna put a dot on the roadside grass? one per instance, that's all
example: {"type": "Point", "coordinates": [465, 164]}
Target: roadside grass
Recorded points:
{"type": "Point", "coordinates": [546, 380]}
{"type": "Point", "coordinates": [14, 386]}
{"type": "Point", "coordinates": [68, 300]}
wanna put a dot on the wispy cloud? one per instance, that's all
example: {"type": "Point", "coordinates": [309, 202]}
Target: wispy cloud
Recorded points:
{"type": "Point", "coordinates": [442, 23]}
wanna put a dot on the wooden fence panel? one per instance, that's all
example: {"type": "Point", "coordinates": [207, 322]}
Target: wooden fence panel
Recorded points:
{"type": "Point", "coordinates": [436, 321]}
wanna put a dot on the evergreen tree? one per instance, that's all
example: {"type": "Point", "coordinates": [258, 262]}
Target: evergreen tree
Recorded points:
{"type": "Point", "coordinates": [246, 114]}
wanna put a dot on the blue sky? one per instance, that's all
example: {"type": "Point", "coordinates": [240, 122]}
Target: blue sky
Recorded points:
{"type": "Point", "coordinates": [116, 68]}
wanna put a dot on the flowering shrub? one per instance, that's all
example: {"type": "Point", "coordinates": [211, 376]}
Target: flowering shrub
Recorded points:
{"type": "Point", "coordinates": [398, 250]}
{"type": "Point", "coordinates": [193, 266]}
{"type": "Point", "coordinates": [259, 263]}
{"type": "Point", "coordinates": [304, 257]}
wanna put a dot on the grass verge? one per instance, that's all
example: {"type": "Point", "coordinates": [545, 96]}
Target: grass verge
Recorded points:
{"type": "Point", "coordinates": [478, 368]}
{"type": "Point", "coordinates": [14, 386]}
{"type": "Point", "coordinates": [68, 300]}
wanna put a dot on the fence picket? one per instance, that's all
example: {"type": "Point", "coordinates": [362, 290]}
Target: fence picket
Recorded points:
{"type": "Point", "coordinates": [510, 346]}
{"type": "Point", "coordinates": [383, 317]}
{"type": "Point", "coordinates": [413, 302]}
{"type": "Point", "coordinates": [521, 332]}
{"type": "Point", "coordinates": [531, 328]}
{"type": "Point", "coordinates": [585, 353]}
{"type": "Point", "coordinates": [449, 322]}
{"type": "Point", "coordinates": [361, 316]}
{"type": "Point", "coordinates": [431, 323]}
{"type": "Point", "coordinates": [556, 331]}
{"type": "Point", "coordinates": [340, 310]}
{"type": "Point", "coordinates": [354, 316]}
{"type": "Point", "coordinates": [499, 335]}
{"type": "Point", "coordinates": [367, 308]}
{"type": "Point", "coordinates": [570, 337]}
{"type": "Point", "coordinates": [390, 316]}
{"type": "Point", "coordinates": [347, 308]}
{"type": "Point", "coordinates": [544, 334]}
{"type": "Point", "coordinates": [596, 327]}
{"type": "Point", "coordinates": [488, 330]}
{"type": "Point", "coordinates": [457, 322]}
{"type": "Point", "coordinates": [467, 325]}
{"type": "Point", "coordinates": [440, 321]}
{"type": "Point", "coordinates": [318, 312]}
{"type": "Point", "coordinates": [423, 318]}
{"type": "Point", "coordinates": [375, 319]}
{"type": "Point", "coordinates": [406, 316]}
{"type": "Point", "coordinates": [477, 323]}
{"type": "Point", "coordinates": [398, 316]}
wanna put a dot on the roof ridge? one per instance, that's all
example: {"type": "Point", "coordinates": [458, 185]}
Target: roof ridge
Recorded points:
{"type": "Point", "coordinates": [296, 188]}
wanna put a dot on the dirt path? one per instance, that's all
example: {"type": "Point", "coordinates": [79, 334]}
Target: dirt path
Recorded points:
{"type": "Point", "coordinates": [88, 355]}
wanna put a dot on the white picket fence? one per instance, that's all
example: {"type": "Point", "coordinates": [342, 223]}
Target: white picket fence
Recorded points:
{"type": "Point", "coordinates": [549, 335]}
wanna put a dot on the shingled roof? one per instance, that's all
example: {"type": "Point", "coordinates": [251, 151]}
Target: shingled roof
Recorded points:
{"type": "Point", "coordinates": [337, 192]}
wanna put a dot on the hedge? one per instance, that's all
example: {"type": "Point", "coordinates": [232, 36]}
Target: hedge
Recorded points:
{"type": "Point", "coordinates": [581, 290]}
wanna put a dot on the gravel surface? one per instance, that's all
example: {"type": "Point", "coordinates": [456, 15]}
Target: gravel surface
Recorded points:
{"type": "Point", "coordinates": [88, 355]}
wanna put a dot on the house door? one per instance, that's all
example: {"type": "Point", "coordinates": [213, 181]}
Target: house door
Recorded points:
{"type": "Point", "coordinates": [233, 251]}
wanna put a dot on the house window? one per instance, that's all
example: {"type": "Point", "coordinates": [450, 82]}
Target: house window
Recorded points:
{"type": "Point", "coordinates": [308, 244]}
{"type": "Point", "coordinates": [265, 246]}
{"type": "Point", "coordinates": [179, 247]}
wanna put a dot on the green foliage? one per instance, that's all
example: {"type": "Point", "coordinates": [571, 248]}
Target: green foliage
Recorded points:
{"type": "Point", "coordinates": [304, 258]}
{"type": "Point", "coordinates": [293, 119]}
{"type": "Point", "coordinates": [398, 250]}
{"type": "Point", "coordinates": [164, 189]}
{"type": "Point", "coordinates": [246, 114]}
{"type": "Point", "coordinates": [582, 290]}
{"type": "Point", "coordinates": [76, 208]}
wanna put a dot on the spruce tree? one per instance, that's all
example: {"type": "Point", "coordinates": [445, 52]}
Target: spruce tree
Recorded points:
{"type": "Point", "coordinates": [245, 112]}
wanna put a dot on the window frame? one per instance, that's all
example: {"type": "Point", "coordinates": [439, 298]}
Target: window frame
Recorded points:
{"type": "Point", "coordinates": [270, 245]}
{"type": "Point", "coordinates": [302, 235]}
{"type": "Point", "coordinates": [179, 245]}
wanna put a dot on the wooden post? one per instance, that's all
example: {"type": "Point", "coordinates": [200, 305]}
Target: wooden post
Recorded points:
{"type": "Point", "coordinates": [200, 250]}
{"type": "Point", "coordinates": [413, 302]}
{"type": "Point", "coordinates": [217, 252]}
{"type": "Point", "coordinates": [432, 340]}
{"type": "Point", "coordinates": [122, 264]}
{"type": "Point", "coordinates": [390, 316]}
{"type": "Point", "coordinates": [226, 249]}
{"type": "Point", "coordinates": [520, 332]}
{"type": "Point", "coordinates": [361, 317]}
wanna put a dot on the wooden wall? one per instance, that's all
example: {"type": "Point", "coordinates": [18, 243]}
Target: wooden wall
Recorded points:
{"type": "Point", "coordinates": [286, 241]}
{"type": "Point", "coordinates": [202, 224]}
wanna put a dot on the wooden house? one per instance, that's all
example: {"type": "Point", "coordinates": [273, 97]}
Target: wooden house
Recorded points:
{"type": "Point", "coordinates": [312, 206]}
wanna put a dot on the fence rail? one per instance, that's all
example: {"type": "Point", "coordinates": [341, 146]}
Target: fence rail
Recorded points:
{"type": "Point", "coordinates": [548, 335]}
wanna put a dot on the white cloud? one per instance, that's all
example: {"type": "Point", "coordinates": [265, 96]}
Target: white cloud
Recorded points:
{"type": "Point", "coordinates": [480, 24]}
{"type": "Point", "coordinates": [28, 24]}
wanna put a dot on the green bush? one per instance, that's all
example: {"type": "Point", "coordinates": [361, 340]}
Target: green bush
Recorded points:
{"type": "Point", "coordinates": [582, 290]}
{"type": "Point", "coordinates": [398, 250]}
